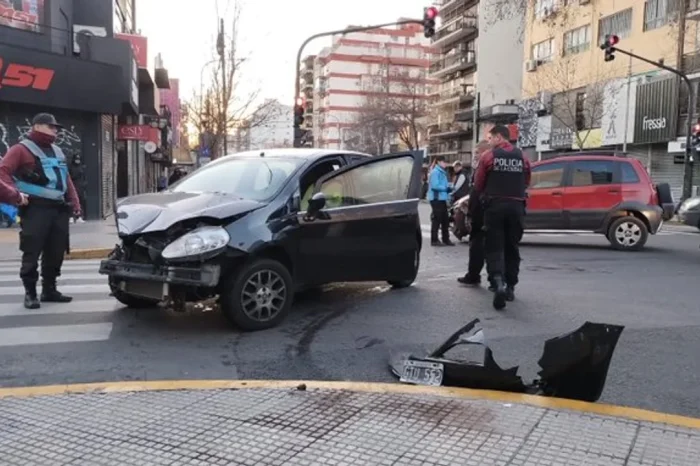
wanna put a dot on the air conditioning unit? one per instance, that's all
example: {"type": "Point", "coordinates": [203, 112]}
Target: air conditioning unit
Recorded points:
{"type": "Point", "coordinates": [530, 66]}
{"type": "Point", "coordinates": [546, 98]}
{"type": "Point", "coordinates": [78, 29]}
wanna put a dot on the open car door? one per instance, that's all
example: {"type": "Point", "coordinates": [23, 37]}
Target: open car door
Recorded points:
{"type": "Point", "coordinates": [362, 222]}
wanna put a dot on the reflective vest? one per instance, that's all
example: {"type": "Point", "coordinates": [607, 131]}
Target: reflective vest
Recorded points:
{"type": "Point", "coordinates": [506, 179]}
{"type": "Point", "coordinates": [55, 169]}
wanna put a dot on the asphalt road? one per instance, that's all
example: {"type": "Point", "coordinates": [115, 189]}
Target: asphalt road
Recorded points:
{"type": "Point", "coordinates": [348, 331]}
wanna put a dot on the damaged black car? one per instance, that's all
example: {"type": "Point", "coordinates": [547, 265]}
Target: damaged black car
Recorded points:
{"type": "Point", "coordinates": [252, 229]}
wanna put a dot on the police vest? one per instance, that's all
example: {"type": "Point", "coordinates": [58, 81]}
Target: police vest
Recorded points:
{"type": "Point", "coordinates": [507, 176]}
{"type": "Point", "coordinates": [55, 172]}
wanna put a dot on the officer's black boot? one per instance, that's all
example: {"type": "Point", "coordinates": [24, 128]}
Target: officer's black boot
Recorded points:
{"type": "Point", "coordinates": [510, 293]}
{"type": "Point", "coordinates": [49, 293]}
{"type": "Point", "coordinates": [30, 299]}
{"type": "Point", "coordinates": [499, 295]}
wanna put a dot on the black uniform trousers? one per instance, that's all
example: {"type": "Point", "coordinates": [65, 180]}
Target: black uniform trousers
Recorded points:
{"type": "Point", "coordinates": [476, 244]}
{"type": "Point", "coordinates": [439, 221]}
{"type": "Point", "coordinates": [504, 222]}
{"type": "Point", "coordinates": [44, 235]}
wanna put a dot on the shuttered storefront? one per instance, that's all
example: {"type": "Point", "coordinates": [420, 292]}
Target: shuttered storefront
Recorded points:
{"type": "Point", "coordinates": [108, 158]}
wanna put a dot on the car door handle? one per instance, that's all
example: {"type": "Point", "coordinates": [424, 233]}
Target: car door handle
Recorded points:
{"type": "Point", "coordinates": [556, 193]}
{"type": "Point", "coordinates": [614, 191]}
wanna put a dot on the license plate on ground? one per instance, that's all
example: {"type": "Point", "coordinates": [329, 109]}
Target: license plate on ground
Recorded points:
{"type": "Point", "coordinates": [423, 373]}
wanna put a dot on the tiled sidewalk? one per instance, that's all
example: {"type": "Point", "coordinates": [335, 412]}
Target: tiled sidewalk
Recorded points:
{"type": "Point", "coordinates": [309, 426]}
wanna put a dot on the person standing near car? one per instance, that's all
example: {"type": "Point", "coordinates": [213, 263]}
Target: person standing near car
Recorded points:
{"type": "Point", "coordinates": [37, 168]}
{"type": "Point", "coordinates": [475, 218]}
{"type": "Point", "coordinates": [501, 180]}
{"type": "Point", "coordinates": [461, 184]}
{"type": "Point", "coordinates": [438, 194]}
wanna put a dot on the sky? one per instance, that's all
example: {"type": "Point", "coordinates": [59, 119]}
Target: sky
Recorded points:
{"type": "Point", "coordinates": [270, 33]}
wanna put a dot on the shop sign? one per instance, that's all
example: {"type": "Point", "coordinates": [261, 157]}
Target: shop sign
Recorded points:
{"type": "Point", "coordinates": [133, 132]}
{"type": "Point", "coordinates": [139, 44]}
{"type": "Point", "coordinates": [656, 115]}
{"type": "Point", "coordinates": [24, 76]}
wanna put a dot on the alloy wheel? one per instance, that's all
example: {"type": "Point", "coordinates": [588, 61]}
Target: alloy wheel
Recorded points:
{"type": "Point", "coordinates": [264, 295]}
{"type": "Point", "coordinates": [628, 234]}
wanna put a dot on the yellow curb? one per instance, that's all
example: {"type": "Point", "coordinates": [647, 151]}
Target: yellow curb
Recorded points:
{"type": "Point", "coordinates": [98, 253]}
{"type": "Point", "coordinates": [385, 388]}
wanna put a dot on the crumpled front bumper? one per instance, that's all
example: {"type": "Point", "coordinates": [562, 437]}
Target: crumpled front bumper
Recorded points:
{"type": "Point", "coordinates": [206, 275]}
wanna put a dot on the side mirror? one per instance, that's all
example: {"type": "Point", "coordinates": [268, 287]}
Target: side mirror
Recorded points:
{"type": "Point", "coordinates": [316, 203]}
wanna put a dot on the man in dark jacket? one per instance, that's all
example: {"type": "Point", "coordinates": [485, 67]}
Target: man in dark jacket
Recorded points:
{"type": "Point", "coordinates": [37, 168]}
{"type": "Point", "coordinates": [476, 220]}
{"type": "Point", "coordinates": [501, 181]}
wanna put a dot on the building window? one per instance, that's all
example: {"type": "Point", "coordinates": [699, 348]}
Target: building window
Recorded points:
{"type": "Point", "coordinates": [118, 22]}
{"type": "Point", "coordinates": [544, 8]}
{"type": "Point", "coordinates": [656, 13]}
{"type": "Point", "coordinates": [619, 24]}
{"type": "Point", "coordinates": [577, 40]}
{"type": "Point", "coordinates": [580, 111]}
{"type": "Point", "coordinates": [543, 51]}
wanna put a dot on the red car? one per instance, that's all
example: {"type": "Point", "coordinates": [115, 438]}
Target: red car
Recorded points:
{"type": "Point", "coordinates": [603, 192]}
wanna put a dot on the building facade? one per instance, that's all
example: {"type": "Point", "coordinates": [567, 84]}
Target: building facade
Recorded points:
{"type": "Point", "coordinates": [358, 68]}
{"type": "Point", "coordinates": [269, 127]}
{"type": "Point", "coordinates": [83, 73]}
{"type": "Point", "coordinates": [307, 76]}
{"type": "Point", "coordinates": [479, 68]}
{"type": "Point", "coordinates": [573, 99]}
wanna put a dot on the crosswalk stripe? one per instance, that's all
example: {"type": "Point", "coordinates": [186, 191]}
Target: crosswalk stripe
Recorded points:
{"type": "Point", "coordinates": [44, 335]}
{"type": "Point", "coordinates": [85, 319]}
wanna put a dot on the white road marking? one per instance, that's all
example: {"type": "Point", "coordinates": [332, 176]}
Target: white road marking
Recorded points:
{"type": "Point", "coordinates": [43, 335]}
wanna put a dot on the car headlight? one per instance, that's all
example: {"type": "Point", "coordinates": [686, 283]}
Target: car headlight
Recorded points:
{"type": "Point", "coordinates": [196, 242]}
{"type": "Point", "coordinates": [690, 204]}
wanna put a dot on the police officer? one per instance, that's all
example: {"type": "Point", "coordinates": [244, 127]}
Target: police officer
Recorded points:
{"type": "Point", "coordinates": [501, 180]}
{"type": "Point", "coordinates": [37, 168]}
{"type": "Point", "coordinates": [476, 219]}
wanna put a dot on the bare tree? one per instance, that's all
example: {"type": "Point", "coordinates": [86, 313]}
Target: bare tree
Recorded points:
{"type": "Point", "coordinates": [221, 106]}
{"type": "Point", "coordinates": [395, 107]}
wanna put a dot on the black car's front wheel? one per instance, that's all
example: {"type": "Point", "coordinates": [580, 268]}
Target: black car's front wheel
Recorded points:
{"type": "Point", "coordinates": [258, 296]}
{"type": "Point", "coordinates": [414, 273]}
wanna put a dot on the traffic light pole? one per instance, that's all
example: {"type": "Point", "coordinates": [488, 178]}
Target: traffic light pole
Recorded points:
{"type": "Point", "coordinates": [297, 83]}
{"type": "Point", "coordinates": [689, 162]}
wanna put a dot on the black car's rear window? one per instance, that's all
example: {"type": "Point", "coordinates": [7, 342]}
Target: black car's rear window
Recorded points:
{"type": "Point", "coordinates": [248, 178]}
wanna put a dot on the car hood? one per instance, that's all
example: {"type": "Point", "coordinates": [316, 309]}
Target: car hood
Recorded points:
{"type": "Point", "coordinates": [147, 213]}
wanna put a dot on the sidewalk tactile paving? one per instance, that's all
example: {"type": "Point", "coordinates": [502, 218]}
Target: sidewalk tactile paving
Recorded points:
{"type": "Point", "coordinates": [283, 427]}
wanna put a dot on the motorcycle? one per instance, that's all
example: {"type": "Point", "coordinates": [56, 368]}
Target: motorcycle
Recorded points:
{"type": "Point", "coordinates": [460, 225]}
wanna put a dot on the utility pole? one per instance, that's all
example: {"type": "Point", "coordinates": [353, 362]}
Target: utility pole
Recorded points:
{"type": "Point", "coordinates": [627, 104]}
{"type": "Point", "coordinates": [221, 49]}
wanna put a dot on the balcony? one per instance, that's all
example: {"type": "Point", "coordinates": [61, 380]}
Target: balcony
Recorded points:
{"type": "Point", "coordinates": [464, 27]}
{"type": "Point", "coordinates": [447, 7]}
{"type": "Point", "coordinates": [309, 109]}
{"type": "Point", "coordinates": [693, 10]}
{"type": "Point", "coordinates": [450, 130]}
{"type": "Point", "coordinates": [306, 85]}
{"type": "Point", "coordinates": [453, 63]}
{"type": "Point", "coordinates": [691, 63]}
{"type": "Point", "coordinates": [464, 93]}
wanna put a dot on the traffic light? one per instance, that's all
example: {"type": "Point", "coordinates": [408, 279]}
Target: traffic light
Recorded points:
{"type": "Point", "coordinates": [608, 45]}
{"type": "Point", "coordinates": [299, 108]}
{"type": "Point", "coordinates": [429, 15]}
{"type": "Point", "coordinates": [695, 137]}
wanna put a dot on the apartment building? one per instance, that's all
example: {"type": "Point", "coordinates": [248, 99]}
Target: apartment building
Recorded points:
{"type": "Point", "coordinates": [359, 68]}
{"type": "Point", "coordinates": [479, 68]}
{"type": "Point", "coordinates": [308, 72]}
{"type": "Point", "coordinates": [269, 127]}
{"type": "Point", "coordinates": [573, 99]}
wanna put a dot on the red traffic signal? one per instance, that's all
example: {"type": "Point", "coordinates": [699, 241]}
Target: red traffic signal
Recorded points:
{"type": "Point", "coordinates": [429, 15]}
{"type": "Point", "coordinates": [696, 128]}
{"type": "Point", "coordinates": [613, 40]}
{"type": "Point", "coordinates": [431, 12]}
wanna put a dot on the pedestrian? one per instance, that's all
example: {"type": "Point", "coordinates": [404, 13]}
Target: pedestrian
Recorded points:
{"type": "Point", "coordinates": [438, 194]}
{"type": "Point", "coordinates": [37, 167]}
{"type": "Point", "coordinates": [475, 217]}
{"type": "Point", "coordinates": [501, 181]}
{"type": "Point", "coordinates": [461, 185]}
{"type": "Point", "coordinates": [77, 175]}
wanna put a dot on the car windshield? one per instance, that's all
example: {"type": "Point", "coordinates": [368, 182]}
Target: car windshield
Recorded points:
{"type": "Point", "coordinates": [254, 179]}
